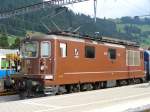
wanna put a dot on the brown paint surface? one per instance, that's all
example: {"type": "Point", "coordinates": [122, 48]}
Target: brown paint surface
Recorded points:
{"type": "Point", "coordinates": [73, 69]}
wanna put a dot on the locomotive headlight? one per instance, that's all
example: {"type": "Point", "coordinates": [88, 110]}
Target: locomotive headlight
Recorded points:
{"type": "Point", "coordinates": [50, 77]}
{"type": "Point", "coordinates": [42, 68]}
{"type": "Point", "coordinates": [24, 83]}
{"type": "Point", "coordinates": [34, 83]}
{"type": "Point", "coordinates": [13, 81]}
{"type": "Point", "coordinates": [19, 67]}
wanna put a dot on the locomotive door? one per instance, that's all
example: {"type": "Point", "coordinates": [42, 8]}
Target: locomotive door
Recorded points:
{"type": "Point", "coordinates": [46, 58]}
{"type": "Point", "coordinates": [129, 62]}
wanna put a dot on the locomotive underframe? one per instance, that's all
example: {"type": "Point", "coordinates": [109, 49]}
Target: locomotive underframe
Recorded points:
{"type": "Point", "coordinates": [35, 85]}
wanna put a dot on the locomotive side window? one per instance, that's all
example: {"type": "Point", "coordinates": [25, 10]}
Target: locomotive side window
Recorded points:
{"type": "Point", "coordinates": [130, 58]}
{"type": "Point", "coordinates": [89, 52]}
{"type": "Point", "coordinates": [112, 53]}
{"type": "Point", "coordinates": [63, 50]}
{"type": "Point", "coordinates": [45, 49]}
{"type": "Point", "coordinates": [133, 58]}
{"type": "Point", "coordinates": [136, 58]}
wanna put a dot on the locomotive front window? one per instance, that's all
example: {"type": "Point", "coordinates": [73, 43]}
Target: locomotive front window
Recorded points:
{"type": "Point", "coordinates": [45, 49]}
{"type": "Point", "coordinates": [29, 49]}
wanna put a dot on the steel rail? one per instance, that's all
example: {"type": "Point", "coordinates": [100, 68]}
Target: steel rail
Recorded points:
{"type": "Point", "coordinates": [36, 7]}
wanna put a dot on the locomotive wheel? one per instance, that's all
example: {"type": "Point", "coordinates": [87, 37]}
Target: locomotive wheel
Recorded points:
{"type": "Point", "coordinates": [131, 81]}
{"type": "Point", "coordinates": [23, 95]}
{"type": "Point", "coordinates": [97, 85]}
{"type": "Point", "coordinates": [89, 87]}
{"type": "Point", "coordinates": [76, 89]}
{"type": "Point", "coordinates": [62, 90]}
{"type": "Point", "coordinates": [137, 81]}
{"type": "Point", "coordinates": [103, 84]}
{"type": "Point", "coordinates": [69, 88]}
{"type": "Point", "coordinates": [122, 82]}
{"type": "Point", "coordinates": [86, 87]}
{"type": "Point", "coordinates": [73, 88]}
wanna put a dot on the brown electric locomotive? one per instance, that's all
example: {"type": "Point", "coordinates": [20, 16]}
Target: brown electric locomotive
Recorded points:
{"type": "Point", "coordinates": [65, 62]}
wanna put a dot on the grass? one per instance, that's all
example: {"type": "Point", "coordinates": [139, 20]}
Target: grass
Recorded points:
{"type": "Point", "coordinates": [144, 27]}
{"type": "Point", "coordinates": [146, 41]}
{"type": "Point", "coordinates": [120, 27]}
{"type": "Point", "coordinates": [11, 39]}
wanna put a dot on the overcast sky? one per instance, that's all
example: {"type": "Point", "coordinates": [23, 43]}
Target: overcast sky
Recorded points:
{"type": "Point", "coordinates": [113, 8]}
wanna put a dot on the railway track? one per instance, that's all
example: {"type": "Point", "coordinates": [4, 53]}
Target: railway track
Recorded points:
{"type": "Point", "coordinates": [9, 98]}
{"type": "Point", "coordinates": [7, 92]}
{"type": "Point", "coordinates": [133, 98]}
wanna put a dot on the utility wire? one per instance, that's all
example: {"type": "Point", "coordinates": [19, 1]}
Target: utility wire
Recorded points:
{"type": "Point", "coordinates": [53, 15]}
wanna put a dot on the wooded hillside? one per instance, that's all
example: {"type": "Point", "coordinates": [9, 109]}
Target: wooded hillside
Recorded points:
{"type": "Point", "coordinates": [60, 18]}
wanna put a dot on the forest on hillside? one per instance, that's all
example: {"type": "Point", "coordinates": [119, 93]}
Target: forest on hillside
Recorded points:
{"type": "Point", "coordinates": [61, 18]}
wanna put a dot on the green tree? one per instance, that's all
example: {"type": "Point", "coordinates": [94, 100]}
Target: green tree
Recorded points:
{"type": "Point", "coordinates": [3, 37]}
{"type": "Point", "coordinates": [4, 41]}
{"type": "Point", "coordinates": [16, 44]}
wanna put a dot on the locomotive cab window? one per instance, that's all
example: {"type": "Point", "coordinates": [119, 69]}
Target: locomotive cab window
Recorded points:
{"type": "Point", "coordinates": [45, 49]}
{"type": "Point", "coordinates": [29, 49]}
{"type": "Point", "coordinates": [89, 52]}
{"type": "Point", "coordinates": [112, 53]}
{"type": "Point", "coordinates": [63, 50]}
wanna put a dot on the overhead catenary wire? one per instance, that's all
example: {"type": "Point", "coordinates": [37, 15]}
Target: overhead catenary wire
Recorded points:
{"type": "Point", "coordinates": [42, 19]}
{"type": "Point", "coordinates": [37, 6]}
{"type": "Point", "coordinates": [56, 25]}
{"type": "Point", "coordinates": [43, 4]}
{"type": "Point", "coordinates": [52, 15]}
{"type": "Point", "coordinates": [45, 26]}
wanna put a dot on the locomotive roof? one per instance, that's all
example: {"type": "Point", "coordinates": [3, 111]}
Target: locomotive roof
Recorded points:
{"type": "Point", "coordinates": [81, 38]}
